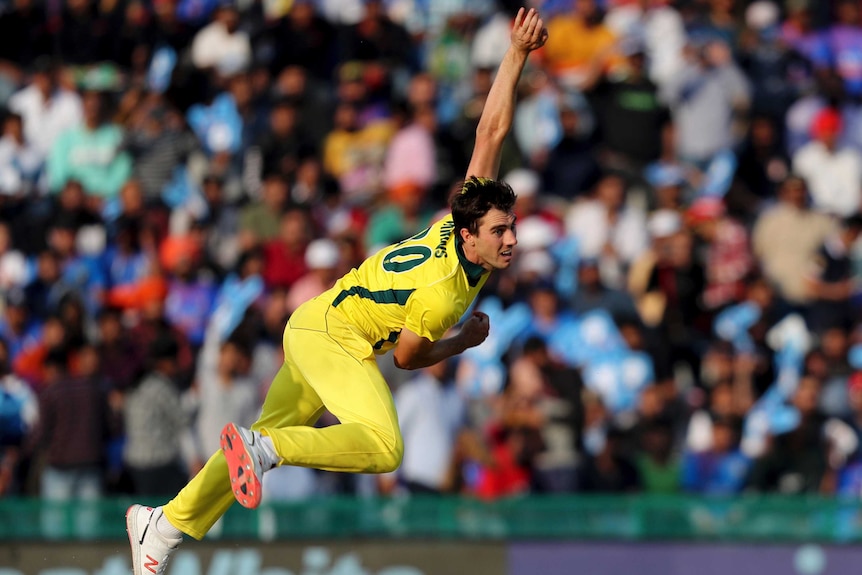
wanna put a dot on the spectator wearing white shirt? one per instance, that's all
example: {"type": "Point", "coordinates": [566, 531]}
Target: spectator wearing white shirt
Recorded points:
{"type": "Point", "coordinates": [430, 413]}
{"type": "Point", "coordinates": [833, 173]}
{"type": "Point", "coordinates": [221, 44]}
{"type": "Point", "coordinates": [608, 230]}
{"type": "Point", "coordinates": [46, 108]}
{"type": "Point", "coordinates": [20, 162]}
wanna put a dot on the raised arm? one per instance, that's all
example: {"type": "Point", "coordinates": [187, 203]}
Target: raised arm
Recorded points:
{"type": "Point", "coordinates": [528, 34]}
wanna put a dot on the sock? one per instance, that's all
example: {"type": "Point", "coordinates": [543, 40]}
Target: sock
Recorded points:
{"type": "Point", "coordinates": [269, 450]}
{"type": "Point", "coordinates": [167, 529]}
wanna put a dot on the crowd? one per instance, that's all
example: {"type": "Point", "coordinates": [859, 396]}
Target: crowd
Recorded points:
{"type": "Point", "coordinates": [177, 176]}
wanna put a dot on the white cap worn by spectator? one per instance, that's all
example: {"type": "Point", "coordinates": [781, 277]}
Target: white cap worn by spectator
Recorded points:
{"type": "Point", "coordinates": [535, 234]}
{"type": "Point", "coordinates": [322, 253]}
{"type": "Point", "coordinates": [664, 223]}
{"type": "Point", "coordinates": [524, 182]}
{"type": "Point", "coordinates": [538, 263]}
{"type": "Point", "coordinates": [761, 15]}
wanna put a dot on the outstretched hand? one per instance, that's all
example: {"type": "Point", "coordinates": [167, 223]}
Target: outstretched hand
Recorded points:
{"type": "Point", "coordinates": [529, 32]}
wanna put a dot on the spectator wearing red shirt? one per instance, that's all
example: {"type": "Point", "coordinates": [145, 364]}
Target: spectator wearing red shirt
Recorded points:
{"type": "Point", "coordinates": [284, 256]}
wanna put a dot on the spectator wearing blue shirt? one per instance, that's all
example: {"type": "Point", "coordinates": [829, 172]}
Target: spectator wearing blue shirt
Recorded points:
{"type": "Point", "coordinates": [723, 468]}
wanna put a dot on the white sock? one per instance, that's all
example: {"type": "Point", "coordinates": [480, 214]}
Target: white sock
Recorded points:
{"type": "Point", "coordinates": [269, 450]}
{"type": "Point", "coordinates": [167, 529]}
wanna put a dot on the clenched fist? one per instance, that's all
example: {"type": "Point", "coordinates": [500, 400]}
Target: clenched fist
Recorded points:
{"type": "Point", "coordinates": [475, 329]}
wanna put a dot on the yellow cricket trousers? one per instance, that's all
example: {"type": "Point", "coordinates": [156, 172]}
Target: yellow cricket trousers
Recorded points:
{"type": "Point", "coordinates": [326, 365]}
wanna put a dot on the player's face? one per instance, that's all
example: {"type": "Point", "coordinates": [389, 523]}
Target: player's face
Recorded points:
{"type": "Point", "coordinates": [493, 245]}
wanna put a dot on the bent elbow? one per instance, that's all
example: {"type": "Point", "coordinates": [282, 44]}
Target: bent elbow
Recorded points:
{"type": "Point", "coordinates": [408, 364]}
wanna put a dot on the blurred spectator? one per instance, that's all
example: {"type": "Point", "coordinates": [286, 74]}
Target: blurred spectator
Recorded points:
{"type": "Point", "coordinates": [284, 255]}
{"type": "Point", "coordinates": [727, 258]}
{"type": "Point", "coordinates": [127, 262]}
{"type": "Point", "coordinates": [629, 112]}
{"type": "Point", "coordinates": [46, 288]}
{"type": "Point", "coordinates": [354, 153]}
{"type": "Point", "coordinates": [158, 141]}
{"type": "Point", "coordinates": [668, 284]}
{"type": "Point", "coordinates": [84, 29]}
{"type": "Point", "coordinates": [323, 260]}
{"type": "Point", "coordinates": [20, 162]}
{"type": "Point", "coordinates": [191, 291]}
{"type": "Point", "coordinates": [47, 107]}
{"type": "Point", "coordinates": [831, 280]}
{"type": "Point", "coordinates": [304, 38]}
{"type": "Point", "coordinates": [763, 163]}
{"type": "Point", "coordinates": [312, 99]}
{"type": "Point", "coordinates": [658, 465]}
{"type": "Point", "coordinates": [722, 469]}
{"type": "Point", "coordinates": [157, 432]}
{"type": "Point", "coordinates": [91, 154]}
{"type": "Point", "coordinates": [376, 38]}
{"type": "Point", "coordinates": [259, 219]}
{"type": "Point", "coordinates": [431, 414]}
{"type": "Point", "coordinates": [537, 126]}
{"type": "Point", "coordinates": [14, 271]}
{"type": "Point", "coordinates": [579, 43]}
{"type": "Point", "coordinates": [660, 26]}
{"type": "Point", "coordinates": [17, 327]}
{"type": "Point", "coordinates": [403, 217]}
{"type": "Point", "coordinates": [30, 362]}
{"type": "Point", "coordinates": [121, 361]}
{"type": "Point", "coordinates": [19, 414]}
{"type": "Point", "coordinates": [281, 144]}
{"type": "Point", "coordinates": [152, 325]}
{"type": "Point", "coordinates": [556, 391]}
{"type": "Point", "coordinates": [786, 237]}
{"type": "Point", "coordinates": [833, 173]}
{"type": "Point", "coordinates": [795, 461]}
{"type": "Point", "coordinates": [799, 34]}
{"type": "Point", "coordinates": [223, 391]}
{"type": "Point", "coordinates": [593, 294]}
{"type": "Point", "coordinates": [25, 27]}
{"type": "Point", "coordinates": [221, 45]}
{"type": "Point", "coordinates": [571, 167]}
{"type": "Point", "coordinates": [607, 229]}
{"type": "Point", "coordinates": [410, 156]}
{"type": "Point", "coordinates": [707, 98]}
{"type": "Point", "coordinates": [609, 470]}
{"type": "Point", "coordinates": [777, 72]}
{"type": "Point", "coordinates": [844, 45]}
{"type": "Point", "coordinates": [74, 422]}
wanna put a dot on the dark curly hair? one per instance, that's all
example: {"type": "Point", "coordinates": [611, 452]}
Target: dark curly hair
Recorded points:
{"type": "Point", "coordinates": [476, 198]}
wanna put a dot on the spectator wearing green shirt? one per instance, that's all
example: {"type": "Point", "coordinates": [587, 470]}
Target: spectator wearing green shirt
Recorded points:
{"type": "Point", "coordinates": [259, 221]}
{"type": "Point", "coordinates": [91, 154]}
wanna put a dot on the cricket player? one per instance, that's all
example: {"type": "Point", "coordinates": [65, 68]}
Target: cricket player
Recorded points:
{"type": "Point", "coordinates": [404, 299]}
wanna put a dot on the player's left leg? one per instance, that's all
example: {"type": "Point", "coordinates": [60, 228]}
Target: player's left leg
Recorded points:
{"type": "Point", "coordinates": [289, 402]}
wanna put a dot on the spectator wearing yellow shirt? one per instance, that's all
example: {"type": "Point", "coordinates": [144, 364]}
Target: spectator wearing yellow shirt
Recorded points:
{"type": "Point", "coordinates": [578, 41]}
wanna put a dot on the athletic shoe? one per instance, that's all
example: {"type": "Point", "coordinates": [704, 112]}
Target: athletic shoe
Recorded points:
{"type": "Point", "coordinates": [246, 462]}
{"type": "Point", "coordinates": [150, 549]}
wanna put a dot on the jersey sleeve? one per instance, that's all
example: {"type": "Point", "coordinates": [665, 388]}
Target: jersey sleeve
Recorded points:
{"type": "Point", "coordinates": [430, 313]}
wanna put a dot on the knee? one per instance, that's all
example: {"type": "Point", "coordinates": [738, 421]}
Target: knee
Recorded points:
{"type": "Point", "coordinates": [390, 458]}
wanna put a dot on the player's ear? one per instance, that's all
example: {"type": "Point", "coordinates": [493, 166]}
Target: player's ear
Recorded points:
{"type": "Point", "coordinates": [466, 236]}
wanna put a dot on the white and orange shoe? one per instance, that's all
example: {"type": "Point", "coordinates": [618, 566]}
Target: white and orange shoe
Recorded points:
{"type": "Point", "coordinates": [150, 549]}
{"type": "Point", "coordinates": [247, 460]}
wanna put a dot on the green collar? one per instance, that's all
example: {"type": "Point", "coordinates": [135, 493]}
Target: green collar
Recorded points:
{"type": "Point", "coordinates": [474, 271]}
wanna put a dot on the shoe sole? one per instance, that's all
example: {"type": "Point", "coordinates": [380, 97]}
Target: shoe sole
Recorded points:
{"type": "Point", "coordinates": [244, 482]}
{"type": "Point", "coordinates": [133, 537]}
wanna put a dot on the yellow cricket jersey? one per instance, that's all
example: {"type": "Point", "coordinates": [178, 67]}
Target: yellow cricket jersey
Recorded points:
{"type": "Point", "coordinates": [423, 283]}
